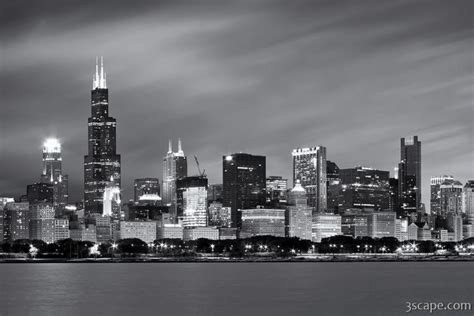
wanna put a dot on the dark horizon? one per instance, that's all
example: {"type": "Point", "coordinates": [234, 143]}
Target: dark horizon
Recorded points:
{"type": "Point", "coordinates": [262, 78]}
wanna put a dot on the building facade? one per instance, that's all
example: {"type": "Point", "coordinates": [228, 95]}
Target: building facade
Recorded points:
{"type": "Point", "coordinates": [309, 166]}
{"type": "Point", "coordinates": [468, 201]}
{"type": "Point", "coordinates": [102, 163]}
{"type": "Point", "coordinates": [299, 214]}
{"type": "Point", "coordinates": [451, 192]}
{"type": "Point", "coordinates": [175, 166]}
{"type": "Point", "coordinates": [144, 230]}
{"type": "Point", "coordinates": [42, 222]}
{"type": "Point", "coordinates": [244, 183]}
{"type": "Point", "coordinates": [16, 221]}
{"type": "Point", "coordinates": [191, 198]}
{"type": "Point", "coordinates": [435, 193]}
{"type": "Point", "coordinates": [325, 225]}
{"type": "Point", "coordinates": [261, 222]}
{"type": "Point", "coordinates": [276, 187]}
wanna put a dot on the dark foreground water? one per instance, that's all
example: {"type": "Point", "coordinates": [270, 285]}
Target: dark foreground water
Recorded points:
{"type": "Point", "coordinates": [226, 289]}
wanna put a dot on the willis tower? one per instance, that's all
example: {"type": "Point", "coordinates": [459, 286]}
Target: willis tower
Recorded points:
{"type": "Point", "coordinates": [101, 164]}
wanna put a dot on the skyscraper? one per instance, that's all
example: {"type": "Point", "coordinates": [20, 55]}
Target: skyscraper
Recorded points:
{"type": "Point", "coordinates": [175, 166]}
{"type": "Point", "coordinates": [450, 198]}
{"type": "Point", "coordinates": [364, 188]}
{"type": "Point", "coordinates": [243, 183]}
{"type": "Point", "coordinates": [435, 193]}
{"type": "Point", "coordinates": [409, 175]}
{"type": "Point", "coordinates": [309, 166]}
{"type": "Point", "coordinates": [468, 201]}
{"type": "Point", "coordinates": [102, 163]}
{"type": "Point", "coordinates": [52, 173]}
{"type": "Point", "coordinates": [192, 201]}
{"type": "Point", "coordinates": [299, 214]}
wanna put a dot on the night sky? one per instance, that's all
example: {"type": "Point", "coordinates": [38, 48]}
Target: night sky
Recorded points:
{"type": "Point", "coordinates": [254, 76]}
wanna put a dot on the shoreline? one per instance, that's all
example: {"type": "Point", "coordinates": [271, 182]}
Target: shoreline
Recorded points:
{"type": "Point", "coordinates": [253, 259]}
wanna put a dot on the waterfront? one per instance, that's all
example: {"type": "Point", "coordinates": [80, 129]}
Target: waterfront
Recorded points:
{"type": "Point", "coordinates": [370, 288]}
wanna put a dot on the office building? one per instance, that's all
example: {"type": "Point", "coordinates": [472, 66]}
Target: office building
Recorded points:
{"type": "Point", "coordinates": [244, 183]}
{"type": "Point", "coordinates": [409, 176]}
{"type": "Point", "coordinates": [145, 186]}
{"type": "Point", "coordinates": [364, 188]}
{"type": "Point", "coordinates": [354, 224]}
{"type": "Point", "coordinates": [40, 192]}
{"type": "Point", "coordinates": [191, 201]}
{"type": "Point", "coordinates": [61, 229]}
{"type": "Point", "coordinates": [309, 166]}
{"type": "Point", "coordinates": [219, 215]}
{"type": "Point", "coordinates": [325, 226]}
{"type": "Point", "coordinates": [84, 233]}
{"type": "Point", "coordinates": [435, 193]}
{"type": "Point", "coordinates": [299, 214]}
{"type": "Point", "coordinates": [42, 222]}
{"type": "Point", "coordinates": [334, 187]}
{"type": "Point", "coordinates": [451, 193]}
{"type": "Point", "coordinates": [102, 163]}
{"type": "Point", "coordinates": [468, 201]}
{"type": "Point", "coordinates": [381, 224]}
{"type": "Point", "coordinates": [195, 233]}
{"type": "Point", "coordinates": [175, 166]}
{"type": "Point", "coordinates": [145, 231]}
{"type": "Point", "coordinates": [169, 231]}
{"type": "Point", "coordinates": [261, 222]}
{"type": "Point", "coordinates": [16, 221]}
{"type": "Point", "coordinates": [52, 173]}
{"type": "Point", "coordinates": [111, 205]}
{"type": "Point", "coordinates": [276, 187]}
{"type": "Point", "coordinates": [214, 193]}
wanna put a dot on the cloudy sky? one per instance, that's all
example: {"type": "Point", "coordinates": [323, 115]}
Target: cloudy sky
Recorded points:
{"type": "Point", "coordinates": [239, 76]}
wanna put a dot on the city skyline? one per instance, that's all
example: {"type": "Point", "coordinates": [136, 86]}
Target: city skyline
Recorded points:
{"type": "Point", "coordinates": [161, 100]}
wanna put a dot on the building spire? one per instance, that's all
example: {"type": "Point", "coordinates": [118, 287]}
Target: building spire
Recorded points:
{"type": "Point", "coordinates": [180, 149]}
{"type": "Point", "coordinates": [102, 83]}
{"type": "Point", "coordinates": [95, 81]}
{"type": "Point", "coordinates": [170, 146]}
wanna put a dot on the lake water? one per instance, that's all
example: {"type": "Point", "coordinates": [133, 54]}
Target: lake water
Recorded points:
{"type": "Point", "coordinates": [290, 289]}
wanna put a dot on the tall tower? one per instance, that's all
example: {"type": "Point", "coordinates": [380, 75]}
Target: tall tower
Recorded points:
{"type": "Point", "coordinates": [102, 162]}
{"type": "Point", "coordinates": [409, 175]}
{"type": "Point", "coordinates": [175, 166]}
{"type": "Point", "coordinates": [309, 166]}
{"type": "Point", "coordinates": [435, 192]}
{"type": "Point", "coordinates": [244, 183]}
{"type": "Point", "coordinates": [52, 174]}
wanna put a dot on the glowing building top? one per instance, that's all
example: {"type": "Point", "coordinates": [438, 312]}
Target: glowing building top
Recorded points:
{"type": "Point", "coordinates": [51, 145]}
{"type": "Point", "coordinates": [100, 79]}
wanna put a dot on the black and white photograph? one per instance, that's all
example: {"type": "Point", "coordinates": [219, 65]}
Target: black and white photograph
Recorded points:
{"type": "Point", "coordinates": [237, 157]}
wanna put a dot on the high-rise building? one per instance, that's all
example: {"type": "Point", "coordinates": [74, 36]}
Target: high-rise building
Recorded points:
{"type": "Point", "coordinates": [409, 175]}
{"type": "Point", "coordinates": [325, 226]}
{"type": "Point", "coordinates": [276, 189]}
{"type": "Point", "coordinates": [334, 186]}
{"type": "Point", "coordinates": [52, 173]}
{"type": "Point", "coordinates": [144, 186]}
{"type": "Point", "coordinates": [381, 224]}
{"type": "Point", "coordinates": [393, 203]}
{"type": "Point", "coordinates": [16, 221]}
{"type": "Point", "coordinates": [175, 166]}
{"type": "Point", "coordinates": [244, 182]}
{"type": "Point", "coordinates": [364, 188]}
{"type": "Point", "coordinates": [40, 192]}
{"type": "Point", "coordinates": [450, 198]}
{"type": "Point", "coordinates": [191, 197]}
{"type": "Point", "coordinates": [299, 214]}
{"type": "Point", "coordinates": [219, 215]}
{"type": "Point", "coordinates": [435, 193]}
{"type": "Point", "coordinates": [61, 229]}
{"type": "Point", "coordinates": [214, 193]}
{"type": "Point", "coordinates": [102, 163]}
{"type": "Point", "coordinates": [468, 201]}
{"type": "Point", "coordinates": [145, 231]}
{"type": "Point", "coordinates": [309, 166]}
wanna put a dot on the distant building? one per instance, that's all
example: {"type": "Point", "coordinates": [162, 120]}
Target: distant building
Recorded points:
{"type": "Point", "coordinates": [435, 193]}
{"type": "Point", "coordinates": [325, 226]}
{"type": "Point", "coordinates": [334, 187]}
{"type": "Point", "coordinates": [227, 233]}
{"type": "Point", "coordinates": [169, 231]}
{"type": "Point", "coordinates": [468, 198]}
{"type": "Point", "coordinates": [112, 201]}
{"type": "Point", "coordinates": [191, 200]}
{"type": "Point", "coordinates": [16, 221]}
{"type": "Point", "coordinates": [194, 233]}
{"type": "Point", "coordinates": [40, 192]}
{"type": "Point", "coordinates": [61, 229]}
{"type": "Point", "coordinates": [363, 188]}
{"type": "Point", "coordinates": [401, 229]}
{"type": "Point", "coordinates": [354, 224]}
{"type": "Point", "coordinates": [150, 199]}
{"type": "Point", "coordinates": [381, 224]}
{"type": "Point", "coordinates": [244, 183]}
{"type": "Point", "coordinates": [299, 214]}
{"type": "Point", "coordinates": [309, 166]}
{"type": "Point", "coordinates": [103, 226]}
{"type": "Point", "coordinates": [261, 222]}
{"type": "Point", "coordinates": [413, 231]}
{"type": "Point", "coordinates": [276, 187]}
{"type": "Point", "coordinates": [42, 222]}
{"type": "Point", "coordinates": [145, 231]}
{"type": "Point", "coordinates": [454, 225]}
{"type": "Point", "coordinates": [145, 186]}
{"type": "Point", "coordinates": [84, 233]}
{"type": "Point", "coordinates": [393, 203]}
{"type": "Point", "coordinates": [450, 198]}
{"type": "Point", "coordinates": [52, 173]}
{"type": "Point", "coordinates": [175, 166]}
{"type": "Point", "coordinates": [219, 215]}
{"type": "Point", "coordinates": [409, 175]}
{"type": "Point", "coordinates": [214, 193]}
